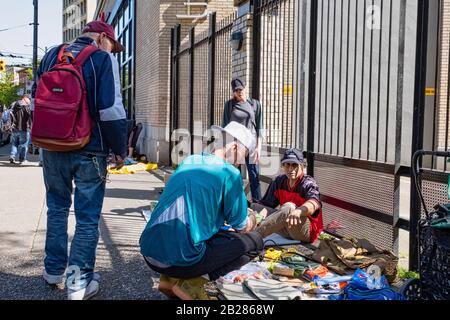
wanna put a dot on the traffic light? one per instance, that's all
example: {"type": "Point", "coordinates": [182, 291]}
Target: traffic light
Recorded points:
{"type": "Point", "coordinates": [2, 66]}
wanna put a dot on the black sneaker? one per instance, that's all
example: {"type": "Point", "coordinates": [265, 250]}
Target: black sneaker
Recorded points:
{"type": "Point", "coordinates": [11, 160]}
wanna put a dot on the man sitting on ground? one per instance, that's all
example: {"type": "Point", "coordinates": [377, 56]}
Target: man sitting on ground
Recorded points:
{"type": "Point", "coordinates": [297, 194]}
{"type": "Point", "coordinates": [183, 239]}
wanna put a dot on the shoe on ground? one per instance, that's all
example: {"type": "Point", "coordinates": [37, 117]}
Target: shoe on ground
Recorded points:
{"type": "Point", "coordinates": [53, 280]}
{"type": "Point", "coordinates": [86, 293]}
{"type": "Point", "coordinates": [191, 289]}
{"type": "Point", "coordinates": [184, 289]}
{"type": "Point", "coordinates": [12, 160]}
{"type": "Point", "coordinates": [166, 285]}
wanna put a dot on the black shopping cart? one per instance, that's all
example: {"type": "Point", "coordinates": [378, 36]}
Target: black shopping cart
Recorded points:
{"type": "Point", "coordinates": [433, 246]}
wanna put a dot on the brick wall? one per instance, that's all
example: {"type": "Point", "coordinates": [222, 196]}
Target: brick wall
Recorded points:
{"type": "Point", "coordinates": [147, 60]}
{"type": "Point", "coordinates": [276, 72]}
{"type": "Point", "coordinates": [224, 68]}
{"type": "Point", "coordinates": [154, 22]}
{"type": "Point", "coordinates": [242, 59]}
{"type": "Point", "coordinates": [169, 10]}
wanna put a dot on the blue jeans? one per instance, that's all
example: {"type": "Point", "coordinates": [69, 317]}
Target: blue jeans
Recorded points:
{"type": "Point", "coordinates": [253, 176]}
{"type": "Point", "coordinates": [88, 171]}
{"type": "Point", "coordinates": [19, 145]}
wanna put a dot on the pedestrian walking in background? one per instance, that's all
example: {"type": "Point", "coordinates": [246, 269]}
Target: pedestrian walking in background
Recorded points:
{"type": "Point", "coordinates": [19, 124]}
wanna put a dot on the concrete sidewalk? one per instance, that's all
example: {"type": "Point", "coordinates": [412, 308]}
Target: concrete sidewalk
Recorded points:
{"type": "Point", "coordinates": [124, 274]}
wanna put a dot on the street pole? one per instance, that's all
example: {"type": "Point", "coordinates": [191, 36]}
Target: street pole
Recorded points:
{"type": "Point", "coordinates": [35, 38]}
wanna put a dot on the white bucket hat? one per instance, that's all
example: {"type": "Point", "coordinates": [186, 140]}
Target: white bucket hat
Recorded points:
{"type": "Point", "coordinates": [240, 133]}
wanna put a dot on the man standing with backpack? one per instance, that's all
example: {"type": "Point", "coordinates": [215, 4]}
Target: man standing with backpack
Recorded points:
{"type": "Point", "coordinates": [78, 118]}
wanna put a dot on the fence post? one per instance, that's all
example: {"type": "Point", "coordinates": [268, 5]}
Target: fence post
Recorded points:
{"type": "Point", "coordinates": [418, 123]}
{"type": "Point", "coordinates": [191, 85]}
{"type": "Point", "coordinates": [174, 82]}
{"type": "Point", "coordinates": [211, 67]}
{"type": "Point", "coordinates": [312, 88]}
{"type": "Point", "coordinates": [177, 76]}
{"type": "Point", "coordinates": [171, 114]}
{"type": "Point", "coordinates": [256, 49]}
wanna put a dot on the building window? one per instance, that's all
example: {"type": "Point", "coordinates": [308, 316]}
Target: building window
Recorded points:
{"type": "Point", "coordinates": [124, 26]}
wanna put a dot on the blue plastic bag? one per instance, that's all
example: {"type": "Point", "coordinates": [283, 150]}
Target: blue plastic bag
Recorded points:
{"type": "Point", "coordinates": [368, 287]}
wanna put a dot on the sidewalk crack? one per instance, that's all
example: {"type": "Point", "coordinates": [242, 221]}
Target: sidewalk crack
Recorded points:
{"type": "Point", "coordinates": [37, 226]}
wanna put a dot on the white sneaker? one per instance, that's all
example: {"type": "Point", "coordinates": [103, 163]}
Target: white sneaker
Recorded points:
{"type": "Point", "coordinates": [84, 294]}
{"type": "Point", "coordinates": [52, 280]}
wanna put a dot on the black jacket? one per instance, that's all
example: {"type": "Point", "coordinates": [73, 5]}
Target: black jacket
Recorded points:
{"type": "Point", "coordinates": [20, 117]}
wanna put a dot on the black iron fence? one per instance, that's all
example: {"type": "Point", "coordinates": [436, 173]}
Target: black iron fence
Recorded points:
{"type": "Point", "coordinates": [431, 106]}
{"type": "Point", "coordinates": [276, 70]}
{"type": "Point", "coordinates": [222, 67]}
{"type": "Point", "coordinates": [201, 72]}
{"type": "Point", "coordinates": [354, 83]}
{"type": "Point", "coordinates": [321, 59]}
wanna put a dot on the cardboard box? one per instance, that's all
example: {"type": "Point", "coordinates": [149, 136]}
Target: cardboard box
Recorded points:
{"type": "Point", "coordinates": [287, 272]}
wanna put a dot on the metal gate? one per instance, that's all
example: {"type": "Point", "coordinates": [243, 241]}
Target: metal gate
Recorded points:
{"type": "Point", "coordinates": [351, 87]}
{"type": "Point", "coordinates": [432, 106]}
{"type": "Point", "coordinates": [354, 83]}
{"type": "Point", "coordinates": [360, 83]}
{"type": "Point", "coordinates": [200, 81]}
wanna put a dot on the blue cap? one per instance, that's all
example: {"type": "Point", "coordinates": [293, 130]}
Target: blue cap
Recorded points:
{"type": "Point", "coordinates": [293, 156]}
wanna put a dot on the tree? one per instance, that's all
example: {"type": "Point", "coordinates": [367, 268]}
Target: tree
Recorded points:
{"type": "Point", "coordinates": [30, 73]}
{"type": "Point", "coordinates": [8, 90]}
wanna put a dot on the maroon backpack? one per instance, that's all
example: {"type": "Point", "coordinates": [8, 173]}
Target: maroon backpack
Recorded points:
{"type": "Point", "coordinates": [61, 120]}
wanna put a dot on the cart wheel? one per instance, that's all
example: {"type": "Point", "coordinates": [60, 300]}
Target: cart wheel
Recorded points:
{"type": "Point", "coordinates": [411, 289]}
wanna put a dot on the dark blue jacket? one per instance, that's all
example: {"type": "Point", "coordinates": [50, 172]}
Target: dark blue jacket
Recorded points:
{"type": "Point", "coordinates": [102, 78]}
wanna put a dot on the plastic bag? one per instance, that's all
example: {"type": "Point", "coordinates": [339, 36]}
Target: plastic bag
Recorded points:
{"type": "Point", "coordinates": [365, 286]}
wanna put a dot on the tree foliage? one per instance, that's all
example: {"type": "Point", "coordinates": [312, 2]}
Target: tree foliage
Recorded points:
{"type": "Point", "coordinates": [8, 90]}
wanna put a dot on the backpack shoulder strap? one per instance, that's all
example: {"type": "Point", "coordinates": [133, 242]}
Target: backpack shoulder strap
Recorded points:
{"type": "Point", "coordinates": [254, 104]}
{"type": "Point", "coordinates": [84, 55]}
{"type": "Point", "coordinates": [62, 56]}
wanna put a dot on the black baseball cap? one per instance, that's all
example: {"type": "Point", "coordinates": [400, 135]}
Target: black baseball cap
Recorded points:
{"type": "Point", "coordinates": [237, 83]}
{"type": "Point", "coordinates": [293, 156]}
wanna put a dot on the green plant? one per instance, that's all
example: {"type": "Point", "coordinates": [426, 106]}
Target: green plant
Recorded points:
{"type": "Point", "coordinates": [405, 274]}
{"type": "Point", "coordinates": [325, 236]}
{"type": "Point", "coordinates": [8, 90]}
{"type": "Point", "coordinates": [30, 73]}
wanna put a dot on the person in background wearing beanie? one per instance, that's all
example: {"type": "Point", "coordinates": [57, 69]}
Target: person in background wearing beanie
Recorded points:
{"type": "Point", "coordinates": [184, 240]}
{"type": "Point", "coordinates": [247, 112]}
{"type": "Point", "coordinates": [300, 214]}
{"type": "Point", "coordinates": [86, 167]}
